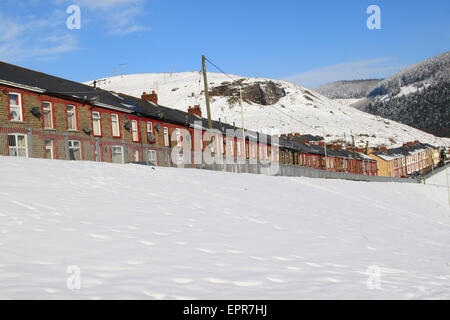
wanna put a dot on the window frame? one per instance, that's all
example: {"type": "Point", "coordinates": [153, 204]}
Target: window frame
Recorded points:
{"type": "Point", "coordinates": [151, 151]}
{"type": "Point", "coordinates": [51, 114]}
{"type": "Point", "coordinates": [52, 148]}
{"type": "Point", "coordinates": [135, 130]}
{"type": "Point", "coordinates": [118, 126]}
{"type": "Point", "coordinates": [231, 142]}
{"type": "Point", "coordinates": [71, 142]}
{"type": "Point", "coordinates": [121, 153]}
{"type": "Point", "coordinates": [16, 147]}
{"type": "Point", "coordinates": [97, 121]}
{"type": "Point", "coordinates": [178, 137]}
{"type": "Point", "coordinates": [75, 117]}
{"type": "Point", "coordinates": [149, 127]}
{"type": "Point", "coordinates": [166, 136]}
{"type": "Point", "coordinates": [19, 106]}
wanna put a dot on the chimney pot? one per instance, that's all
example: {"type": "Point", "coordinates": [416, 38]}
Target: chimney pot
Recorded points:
{"type": "Point", "coordinates": [153, 97]}
{"type": "Point", "coordinates": [195, 110]}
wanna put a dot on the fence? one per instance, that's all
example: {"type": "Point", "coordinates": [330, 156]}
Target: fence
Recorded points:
{"type": "Point", "coordinates": [296, 171]}
{"type": "Point", "coordinates": [36, 143]}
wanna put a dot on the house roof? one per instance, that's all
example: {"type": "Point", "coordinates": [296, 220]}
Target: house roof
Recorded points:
{"type": "Point", "coordinates": [43, 83]}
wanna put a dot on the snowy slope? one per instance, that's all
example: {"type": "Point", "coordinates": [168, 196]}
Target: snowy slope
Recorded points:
{"type": "Point", "coordinates": [439, 179]}
{"type": "Point", "coordinates": [167, 233]}
{"type": "Point", "coordinates": [301, 110]}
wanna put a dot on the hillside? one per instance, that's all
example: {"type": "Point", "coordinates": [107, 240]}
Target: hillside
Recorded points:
{"type": "Point", "coordinates": [355, 89]}
{"type": "Point", "coordinates": [142, 233]}
{"type": "Point", "coordinates": [271, 106]}
{"type": "Point", "coordinates": [418, 96]}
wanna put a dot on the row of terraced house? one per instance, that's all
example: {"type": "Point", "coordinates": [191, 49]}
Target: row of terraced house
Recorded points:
{"type": "Point", "coordinates": [43, 116]}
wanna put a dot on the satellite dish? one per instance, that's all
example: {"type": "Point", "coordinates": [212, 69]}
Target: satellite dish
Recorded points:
{"type": "Point", "coordinates": [128, 126]}
{"type": "Point", "coordinates": [151, 138]}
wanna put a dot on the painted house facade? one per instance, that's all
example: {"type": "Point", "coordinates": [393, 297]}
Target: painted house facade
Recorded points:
{"type": "Point", "coordinates": [411, 159]}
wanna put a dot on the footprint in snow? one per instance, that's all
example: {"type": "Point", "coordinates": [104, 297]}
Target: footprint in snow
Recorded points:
{"type": "Point", "coordinates": [98, 236]}
{"type": "Point", "coordinates": [147, 243]}
{"type": "Point", "coordinates": [182, 280]}
{"type": "Point", "coordinates": [246, 283]}
{"type": "Point", "coordinates": [205, 250]}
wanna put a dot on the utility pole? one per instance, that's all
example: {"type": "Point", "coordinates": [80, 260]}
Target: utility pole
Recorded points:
{"type": "Point", "coordinates": [448, 187]}
{"type": "Point", "coordinates": [354, 153]}
{"type": "Point", "coordinates": [244, 152]}
{"type": "Point", "coordinates": [208, 105]}
{"type": "Point", "coordinates": [325, 148]}
{"type": "Point", "coordinates": [205, 80]}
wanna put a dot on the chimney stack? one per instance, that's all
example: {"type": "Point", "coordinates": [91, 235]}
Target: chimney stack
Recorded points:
{"type": "Point", "coordinates": [153, 97]}
{"type": "Point", "coordinates": [195, 110]}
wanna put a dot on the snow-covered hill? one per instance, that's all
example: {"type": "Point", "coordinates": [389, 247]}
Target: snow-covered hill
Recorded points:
{"type": "Point", "coordinates": [134, 232]}
{"type": "Point", "coordinates": [418, 96]}
{"type": "Point", "coordinates": [353, 89]}
{"type": "Point", "coordinates": [294, 108]}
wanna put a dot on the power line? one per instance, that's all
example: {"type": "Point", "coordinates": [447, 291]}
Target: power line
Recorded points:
{"type": "Point", "coordinates": [286, 114]}
{"type": "Point", "coordinates": [218, 68]}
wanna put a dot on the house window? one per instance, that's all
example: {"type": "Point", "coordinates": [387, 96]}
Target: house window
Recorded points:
{"type": "Point", "coordinates": [17, 144]}
{"type": "Point", "coordinates": [231, 147]}
{"type": "Point", "coordinates": [15, 107]}
{"type": "Point", "coordinates": [166, 136]}
{"type": "Point", "coordinates": [152, 157]}
{"type": "Point", "coordinates": [222, 149]}
{"type": "Point", "coordinates": [49, 154]}
{"type": "Point", "coordinates": [71, 118]}
{"type": "Point", "coordinates": [96, 123]}
{"type": "Point", "coordinates": [136, 155]}
{"type": "Point", "coordinates": [117, 154]}
{"type": "Point", "coordinates": [74, 150]}
{"type": "Point", "coordinates": [178, 136]}
{"type": "Point", "coordinates": [48, 115]}
{"type": "Point", "coordinates": [115, 126]}
{"type": "Point", "coordinates": [149, 127]}
{"type": "Point", "coordinates": [134, 130]}
{"type": "Point", "coordinates": [239, 149]}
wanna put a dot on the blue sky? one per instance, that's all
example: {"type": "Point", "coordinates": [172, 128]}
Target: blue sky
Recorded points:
{"type": "Point", "coordinates": [309, 42]}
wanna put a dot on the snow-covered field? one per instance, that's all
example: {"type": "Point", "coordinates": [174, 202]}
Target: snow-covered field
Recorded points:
{"type": "Point", "coordinates": [301, 110]}
{"type": "Point", "coordinates": [165, 233]}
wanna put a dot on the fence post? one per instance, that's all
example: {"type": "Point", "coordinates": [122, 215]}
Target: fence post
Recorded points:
{"type": "Point", "coordinates": [66, 142]}
{"type": "Point", "coordinates": [97, 149]}
{"type": "Point", "coordinates": [30, 142]}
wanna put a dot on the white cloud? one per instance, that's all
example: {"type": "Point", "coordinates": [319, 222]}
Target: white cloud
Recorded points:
{"type": "Point", "coordinates": [35, 38]}
{"type": "Point", "coordinates": [365, 69]}
{"type": "Point", "coordinates": [119, 16]}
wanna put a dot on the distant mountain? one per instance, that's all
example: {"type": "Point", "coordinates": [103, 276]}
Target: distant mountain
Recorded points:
{"type": "Point", "coordinates": [418, 96]}
{"type": "Point", "coordinates": [269, 105]}
{"type": "Point", "coordinates": [354, 89]}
